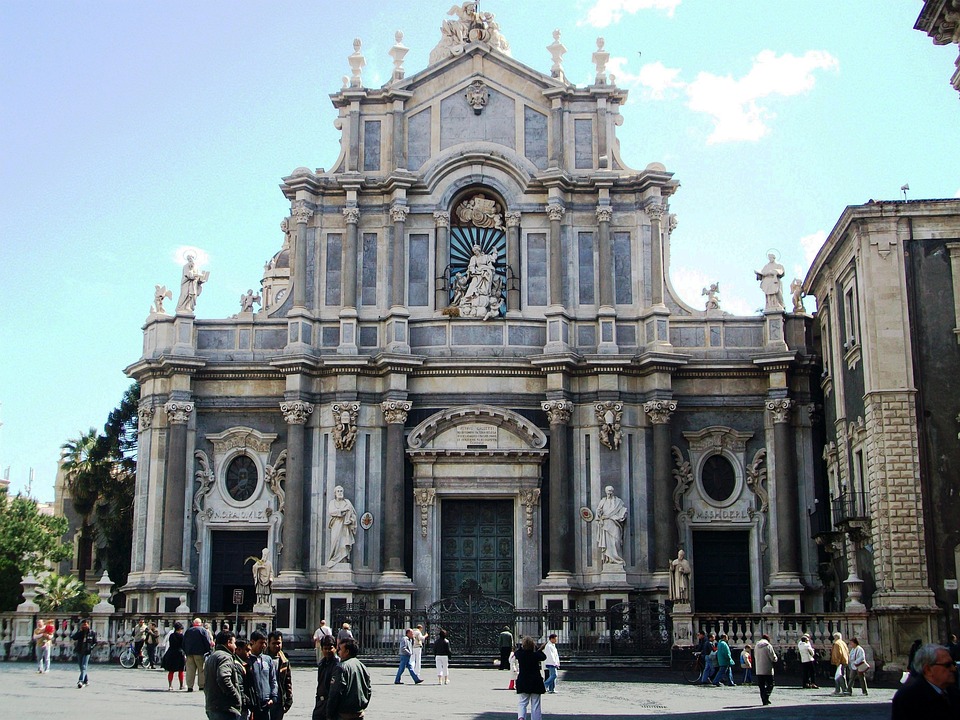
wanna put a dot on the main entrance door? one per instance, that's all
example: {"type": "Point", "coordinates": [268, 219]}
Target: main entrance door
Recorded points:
{"type": "Point", "coordinates": [476, 543]}
{"type": "Point", "coordinates": [230, 570]}
{"type": "Point", "coordinates": [721, 577]}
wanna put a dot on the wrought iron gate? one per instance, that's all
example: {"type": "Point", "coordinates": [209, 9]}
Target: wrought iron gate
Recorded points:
{"type": "Point", "coordinates": [473, 621]}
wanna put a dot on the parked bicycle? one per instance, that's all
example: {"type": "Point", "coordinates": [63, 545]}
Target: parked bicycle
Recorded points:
{"type": "Point", "coordinates": [693, 669]}
{"type": "Point", "coordinates": [128, 658]}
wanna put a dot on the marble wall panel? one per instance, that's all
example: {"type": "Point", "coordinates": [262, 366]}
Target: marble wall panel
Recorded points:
{"type": "Point", "coordinates": [418, 139]}
{"type": "Point", "coordinates": [535, 137]}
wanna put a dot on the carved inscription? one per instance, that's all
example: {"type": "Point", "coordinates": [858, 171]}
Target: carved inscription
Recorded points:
{"type": "Point", "coordinates": [476, 434]}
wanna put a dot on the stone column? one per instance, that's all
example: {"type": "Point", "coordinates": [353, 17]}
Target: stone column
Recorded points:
{"type": "Point", "coordinates": [655, 213]}
{"type": "Point", "coordinates": [296, 414]}
{"type": "Point", "coordinates": [513, 261]}
{"type": "Point", "coordinates": [352, 216]}
{"type": "Point", "coordinates": [178, 415]}
{"type": "Point", "coordinates": [788, 526]}
{"type": "Point", "coordinates": [398, 215]}
{"type": "Point", "coordinates": [606, 313]}
{"type": "Point", "coordinates": [394, 531]}
{"type": "Point", "coordinates": [555, 212]}
{"type": "Point", "coordinates": [442, 259]}
{"type": "Point", "coordinates": [302, 213]}
{"type": "Point", "coordinates": [561, 492]}
{"type": "Point", "coordinates": [665, 527]}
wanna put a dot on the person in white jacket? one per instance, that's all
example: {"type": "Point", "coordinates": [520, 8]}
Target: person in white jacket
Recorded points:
{"type": "Point", "coordinates": [552, 663]}
{"type": "Point", "coordinates": [858, 667]}
{"type": "Point", "coordinates": [764, 656]}
{"type": "Point", "coordinates": [807, 664]}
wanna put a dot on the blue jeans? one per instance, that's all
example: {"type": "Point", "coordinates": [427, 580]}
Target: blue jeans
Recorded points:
{"type": "Point", "coordinates": [551, 682]}
{"type": "Point", "coordinates": [83, 661]}
{"type": "Point", "coordinates": [708, 669]}
{"type": "Point", "coordinates": [405, 665]}
{"type": "Point", "coordinates": [748, 675]}
{"type": "Point", "coordinates": [726, 671]}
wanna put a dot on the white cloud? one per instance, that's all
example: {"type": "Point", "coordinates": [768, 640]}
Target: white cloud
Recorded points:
{"type": "Point", "coordinates": [690, 282]}
{"type": "Point", "coordinates": [957, 194]}
{"type": "Point", "coordinates": [607, 12]}
{"type": "Point", "coordinates": [811, 245]}
{"type": "Point", "coordinates": [201, 257]}
{"type": "Point", "coordinates": [659, 80]}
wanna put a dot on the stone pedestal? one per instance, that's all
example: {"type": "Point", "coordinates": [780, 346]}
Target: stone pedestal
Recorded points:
{"type": "Point", "coordinates": [613, 575]}
{"type": "Point", "coordinates": [773, 337]}
{"type": "Point", "coordinates": [684, 633]}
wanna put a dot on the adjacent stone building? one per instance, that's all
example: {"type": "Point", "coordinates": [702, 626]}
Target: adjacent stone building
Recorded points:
{"type": "Point", "coordinates": [940, 19]}
{"type": "Point", "coordinates": [467, 334]}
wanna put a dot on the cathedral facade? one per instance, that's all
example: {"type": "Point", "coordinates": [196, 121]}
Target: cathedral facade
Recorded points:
{"type": "Point", "coordinates": [470, 369]}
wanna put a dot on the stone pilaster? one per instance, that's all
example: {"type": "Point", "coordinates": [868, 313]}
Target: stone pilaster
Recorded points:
{"type": "Point", "coordinates": [296, 414]}
{"type": "Point", "coordinates": [785, 584]}
{"type": "Point", "coordinates": [348, 311]}
{"type": "Point", "coordinates": [394, 531]}
{"type": "Point", "coordinates": [555, 212]}
{"type": "Point", "coordinates": [178, 415]}
{"type": "Point", "coordinates": [513, 261]}
{"type": "Point", "coordinates": [606, 312]}
{"type": "Point", "coordinates": [442, 259]}
{"type": "Point", "coordinates": [397, 340]}
{"type": "Point", "coordinates": [665, 527]}
{"type": "Point", "coordinates": [302, 214]}
{"type": "Point", "coordinates": [655, 212]}
{"type": "Point", "coordinates": [561, 490]}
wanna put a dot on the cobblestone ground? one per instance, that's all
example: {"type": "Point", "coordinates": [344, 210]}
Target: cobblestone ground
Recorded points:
{"type": "Point", "coordinates": [118, 694]}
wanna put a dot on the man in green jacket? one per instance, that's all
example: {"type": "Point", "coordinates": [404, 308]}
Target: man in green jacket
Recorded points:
{"type": "Point", "coordinates": [724, 661]}
{"type": "Point", "coordinates": [350, 689]}
{"type": "Point", "coordinates": [221, 679]}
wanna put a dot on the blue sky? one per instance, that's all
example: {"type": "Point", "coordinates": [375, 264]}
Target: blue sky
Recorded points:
{"type": "Point", "coordinates": [131, 129]}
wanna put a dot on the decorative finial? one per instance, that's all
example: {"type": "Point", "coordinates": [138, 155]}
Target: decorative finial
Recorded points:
{"type": "Point", "coordinates": [398, 52]}
{"type": "Point", "coordinates": [357, 63]}
{"type": "Point", "coordinates": [600, 58]}
{"type": "Point", "coordinates": [557, 51]}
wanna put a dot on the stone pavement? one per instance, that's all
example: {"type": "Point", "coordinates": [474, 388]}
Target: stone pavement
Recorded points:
{"type": "Point", "coordinates": [118, 694]}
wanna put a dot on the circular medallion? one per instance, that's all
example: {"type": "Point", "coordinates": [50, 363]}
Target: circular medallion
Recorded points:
{"type": "Point", "coordinates": [718, 478]}
{"type": "Point", "coordinates": [242, 478]}
{"type": "Point", "coordinates": [366, 521]}
{"type": "Point", "coordinates": [586, 514]}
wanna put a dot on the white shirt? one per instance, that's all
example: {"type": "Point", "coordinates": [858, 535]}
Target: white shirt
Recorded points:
{"type": "Point", "coordinates": [857, 656]}
{"type": "Point", "coordinates": [553, 657]}
{"type": "Point", "coordinates": [320, 633]}
{"type": "Point", "coordinates": [806, 651]}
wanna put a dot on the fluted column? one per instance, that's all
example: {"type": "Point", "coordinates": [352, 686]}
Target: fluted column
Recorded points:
{"type": "Point", "coordinates": [296, 415]}
{"type": "Point", "coordinates": [665, 518]}
{"type": "Point", "coordinates": [178, 415]}
{"type": "Point", "coordinates": [556, 212]}
{"type": "Point", "coordinates": [398, 214]}
{"type": "Point", "coordinates": [395, 412]}
{"type": "Point", "coordinates": [352, 216]}
{"type": "Point", "coordinates": [561, 493]}
{"type": "Point", "coordinates": [788, 526]}
{"type": "Point", "coordinates": [302, 214]}
{"type": "Point", "coordinates": [442, 258]}
{"type": "Point", "coordinates": [513, 261]}
{"type": "Point", "coordinates": [655, 213]}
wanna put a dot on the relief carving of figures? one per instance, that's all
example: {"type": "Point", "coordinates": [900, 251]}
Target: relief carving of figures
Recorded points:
{"type": "Point", "coordinates": [769, 277]}
{"type": "Point", "coordinates": [470, 25]}
{"type": "Point", "coordinates": [343, 527]}
{"type": "Point", "coordinates": [191, 285]}
{"type": "Point", "coordinates": [530, 499]}
{"type": "Point", "coordinates": [680, 578]}
{"type": "Point", "coordinates": [478, 292]}
{"type": "Point", "coordinates": [345, 425]}
{"type": "Point", "coordinates": [160, 293]}
{"type": "Point", "coordinates": [610, 515]}
{"type": "Point", "coordinates": [683, 475]}
{"type": "Point", "coordinates": [274, 475]}
{"type": "Point", "coordinates": [424, 498]}
{"type": "Point", "coordinates": [204, 476]}
{"type": "Point", "coordinates": [609, 415]}
{"type": "Point", "coordinates": [481, 212]}
{"type": "Point", "coordinates": [477, 95]}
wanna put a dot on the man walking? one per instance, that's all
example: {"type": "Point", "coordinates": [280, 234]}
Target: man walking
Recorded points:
{"type": "Point", "coordinates": [139, 638]}
{"type": "Point", "coordinates": [350, 689]}
{"type": "Point", "coordinates": [764, 656]}
{"type": "Point", "coordinates": [724, 662]}
{"type": "Point", "coordinates": [328, 664]}
{"type": "Point", "coordinates": [406, 654]}
{"type": "Point", "coordinates": [196, 644]}
{"type": "Point", "coordinates": [262, 676]}
{"type": "Point", "coordinates": [709, 655]}
{"type": "Point", "coordinates": [552, 663]}
{"type": "Point", "coordinates": [506, 647]}
{"type": "Point", "coordinates": [839, 657]}
{"type": "Point", "coordinates": [322, 632]}
{"type": "Point", "coordinates": [284, 676]}
{"type": "Point", "coordinates": [222, 682]}
{"type": "Point", "coordinates": [419, 636]}
{"type": "Point", "coordinates": [85, 641]}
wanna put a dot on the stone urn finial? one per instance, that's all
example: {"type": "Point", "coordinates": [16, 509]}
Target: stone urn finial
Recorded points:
{"type": "Point", "coordinates": [29, 584]}
{"type": "Point", "coordinates": [357, 63]}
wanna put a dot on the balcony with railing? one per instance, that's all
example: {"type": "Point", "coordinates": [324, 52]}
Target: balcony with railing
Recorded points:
{"type": "Point", "coordinates": [851, 506]}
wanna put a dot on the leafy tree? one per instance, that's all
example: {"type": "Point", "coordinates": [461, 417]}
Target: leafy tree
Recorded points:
{"type": "Point", "coordinates": [28, 540]}
{"type": "Point", "coordinates": [56, 591]}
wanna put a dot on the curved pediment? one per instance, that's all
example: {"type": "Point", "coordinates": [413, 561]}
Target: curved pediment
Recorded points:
{"type": "Point", "coordinates": [477, 427]}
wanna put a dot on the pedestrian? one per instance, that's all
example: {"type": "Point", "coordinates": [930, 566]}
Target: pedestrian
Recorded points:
{"type": "Point", "coordinates": [196, 644]}
{"type": "Point", "coordinates": [724, 662]}
{"type": "Point", "coordinates": [284, 675]}
{"type": "Point", "coordinates": [529, 678]}
{"type": "Point", "coordinates": [441, 652]}
{"type": "Point", "coordinates": [406, 654]}
{"type": "Point", "coordinates": [139, 636]}
{"type": "Point", "coordinates": [223, 686]}
{"type": "Point", "coordinates": [164, 641]}
{"type": "Point", "coordinates": [242, 657]}
{"type": "Point", "coordinates": [930, 693]}
{"type": "Point", "coordinates": [150, 643]}
{"type": "Point", "coordinates": [328, 663]}
{"type": "Point", "coordinates": [345, 633]}
{"type": "Point", "coordinates": [350, 689]}
{"type": "Point", "coordinates": [322, 632]}
{"type": "Point", "coordinates": [43, 643]}
{"type": "Point", "coordinates": [552, 663]}
{"type": "Point", "coordinates": [262, 674]}
{"type": "Point", "coordinates": [807, 661]}
{"type": "Point", "coordinates": [174, 660]}
{"type": "Point", "coordinates": [746, 662]}
{"type": "Point", "coordinates": [505, 644]}
{"type": "Point", "coordinates": [954, 648]}
{"type": "Point", "coordinates": [858, 667]}
{"type": "Point", "coordinates": [839, 657]}
{"type": "Point", "coordinates": [764, 656]}
{"type": "Point", "coordinates": [709, 660]}
{"type": "Point", "coordinates": [85, 640]}
{"type": "Point", "coordinates": [514, 668]}
{"type": "Point", "coordinates": [419, 636]}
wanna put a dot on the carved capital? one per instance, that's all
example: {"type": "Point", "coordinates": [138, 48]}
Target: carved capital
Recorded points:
{"type": "Point", "coordinates": [351, 215]}
{"type": "Point", "coordinates": [660, 410]}
{"type": "Point", "coordinates": [556, 211]}
{"type": "Point", "coordinates": [395, 411]}
{"type": "Point", "coordinates": [145, 412]}
{"type": "Point", "coordinates": [398, 213]}
{"type": "Point", "coordinates": [604, 213]}
{"type": "Point", "coordinates": [301, 212]}
{"type": "Point", "coordinates": [441, 219]}
{"type": "Point", "coordinates": [558, 411]}
{"type": "Point", "coordinates": [297, 412]}
{"type": "Point", "coordinates": [512, 218]}
{"type": "Point", "coordinates": [780, 409]}
{"type": "Point", "coordinates": [178, 413]}
{"type": "Point", "coordinates": [654, 211]}
{"type": "Point", "coordinates": [529, 499]}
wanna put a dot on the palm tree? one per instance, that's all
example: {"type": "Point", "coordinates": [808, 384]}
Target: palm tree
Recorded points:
{"type": "Point", "coordinates": [56, 590]}
{"type": "Point", "coordinates": [83, 467]}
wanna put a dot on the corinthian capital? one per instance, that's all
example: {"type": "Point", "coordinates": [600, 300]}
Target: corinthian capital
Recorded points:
{"type": "Point", "coordinates": [654, 211]}
{"type": "Point", "coordinates": [178, 412]}
{"type": "Point", "coordinates": [441, 219]}
{"type": "Point", "coordinates": [512, 218]}
{"type": "Point", "coordinates": [780, 409]}
{"type": "Point", "coordinates": [604, 213]}
{"type": "Point", "coordinates": [296, 412]}
{"type": "Point", "coordinates": [395, 411]}
{"type": "Point", "coordinates": [660, 410]}
{"type": "Point", "coordinates": [558, 411]}
{"type": "Point", "coordinates": [398, 213]}
{"type": "Point", "coordinates": [351, 215]}
{"type": "Point", "coordinates": [301, 211]}
{"type": "Point", "coordinates": [555, 211]}
{"type": "Point", "coordinates": [145, 412]}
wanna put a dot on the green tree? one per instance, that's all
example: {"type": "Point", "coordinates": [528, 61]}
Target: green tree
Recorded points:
{"type": "Point", "coordinates": [28, 541]}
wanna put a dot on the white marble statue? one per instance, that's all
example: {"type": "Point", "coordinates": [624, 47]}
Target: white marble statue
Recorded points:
{"type": "Point", "coordinates": [263, 577]}
{"type": "Point", "coordinates": [796, 294]}
{"type": "Point", "coordinates": [342, 525]}
{"type": "Point", "coordinates": [160, 293]}
{"type": "Point", "coordinates": [610, 515]}
{"type": "Point", "coordinates": [769, 277]}
{"type": "Point", "coordinates": [191, 285]}
{"type": "Point", "coordinates": [248, 300]}
{"type": "Point", "coordinates": [713, 302]}
{"type": "Point", "coordinates": [680, 578]}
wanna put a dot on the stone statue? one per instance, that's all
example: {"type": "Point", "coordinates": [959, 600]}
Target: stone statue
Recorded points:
{"type": "Point", "coordinates": [470, 25]}
{"type": "Point", "coordinates": [160, 293]}
{"type": "Point", "coordinates": [345, 425]}
{"type": "Point", "coordinates": [343, 527]}
{"type": "Point", "coordinates": [610, 515]}
{"type": "Point", "coordinates": [796, 292]}
{"type": "Point", "coordinates": [769, 278]}
{"type": "Point", "coordinates": [609, 415]}
{"type": "Point", "coordinates": [460, 282]}
{"type": "Point", "coordinates": [478, 292]}
{"type": "Point", "coordinates": [191, 285]}
{"type": "Point", "coordinates": [263, 577]}
{"type": "Point", "coordinates": [680, 578]}
{"type": "Point", "coordinates": [248, 300]}
{"type": "Point", "coordinates": [713, 302]}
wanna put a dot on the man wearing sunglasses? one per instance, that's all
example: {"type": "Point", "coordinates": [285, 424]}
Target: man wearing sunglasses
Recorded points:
{"type": "Point", "coordinates": [932, 693]}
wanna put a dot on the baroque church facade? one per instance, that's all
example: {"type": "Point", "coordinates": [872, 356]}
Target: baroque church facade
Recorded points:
{"type": "Point", "coordinates": [467, 336]}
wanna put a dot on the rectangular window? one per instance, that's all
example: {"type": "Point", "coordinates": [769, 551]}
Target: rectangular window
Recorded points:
{"type": "Point", "coordinates": [368, 271]}
{"type": "Point", "coordinates": [622, 269]}
{"type": "Point", "coordinates": [418, 271]}
{"type": "Point", "coordinates": [851, 317]}
{"type": "Point", "coordinates": [536, 269]}
{"type": "Point", "coordinates": [334, 263]}
{"type": "Point", "coordinates": [585, 265]}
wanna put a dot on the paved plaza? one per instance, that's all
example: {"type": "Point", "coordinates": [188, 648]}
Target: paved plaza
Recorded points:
{"type": "Point", "coordinates": [118, 694]}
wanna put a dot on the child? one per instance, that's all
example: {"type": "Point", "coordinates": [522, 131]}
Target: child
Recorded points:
{"type": "Point", "coordinates": [746, 662]}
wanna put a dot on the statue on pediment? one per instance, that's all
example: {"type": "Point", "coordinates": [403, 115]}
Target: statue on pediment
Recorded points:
{"type": "Point", "coordinates": [469, 25]}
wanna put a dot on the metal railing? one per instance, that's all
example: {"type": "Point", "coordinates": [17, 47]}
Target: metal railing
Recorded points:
{"type": "Point", "coordinates": [851, 506]}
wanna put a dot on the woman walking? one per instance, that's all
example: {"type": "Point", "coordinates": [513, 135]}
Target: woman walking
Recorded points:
{"type": "Point", "coordinates": [858, 667]}
{"type": "Point", "coordinates": [529, 678]}
{"type": "Point", "coordinates": [174, 661]}
{"type": "Point", "coordinates": [441, 651]}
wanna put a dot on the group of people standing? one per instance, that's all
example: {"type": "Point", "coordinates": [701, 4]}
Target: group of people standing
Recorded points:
{"type": "Point", "coordinates": [411, 655]}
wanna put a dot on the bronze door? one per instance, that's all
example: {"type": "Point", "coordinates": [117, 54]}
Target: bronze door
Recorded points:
{"type": "Point", "coordinates": [476, 543]}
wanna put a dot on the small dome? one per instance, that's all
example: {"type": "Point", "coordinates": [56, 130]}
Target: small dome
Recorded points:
{"type": "Point", "coordinates": [282, 259]}
{"type": "Point", "coordinates": [301, 171]}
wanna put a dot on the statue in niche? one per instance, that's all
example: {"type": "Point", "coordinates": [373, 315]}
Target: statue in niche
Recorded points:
{"type": "Point", "coordinates": [796, 293]}
{"type": "Point", "coordinates": [680, 578]}
{"type": "Point", "coordinates": [263, 577]}
{"type": "Point", "coordinates": [247, 301]}
{"type": "Point", "coordinates": [483, 294]}
{"type": "Point", "coordinates": [342, 525]}
{"type": "Point", "coordinates": [769, 277]}
{"type": "Point", "coordinates": [713, 302]}
{"type": "Point", "coordinates": [160, 293]}
{"type": "Point", "coordinates": [610, 515]}
{"type": "Point", "coordinates": [609, 415]}
{"type": "Point", "coordinates": [191, 285]}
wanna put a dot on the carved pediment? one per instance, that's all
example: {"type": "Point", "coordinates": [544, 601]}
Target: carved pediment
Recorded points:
{"type": "Point", "coordinates": [477, 427]}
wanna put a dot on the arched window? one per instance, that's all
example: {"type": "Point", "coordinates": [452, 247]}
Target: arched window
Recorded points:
{"type": "Point", "coordinates": [478, 255]}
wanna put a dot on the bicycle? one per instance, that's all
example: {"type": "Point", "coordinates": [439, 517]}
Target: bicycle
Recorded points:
{"type": "Point", "coordinates": [128, 658]}
{"type": "Point", "coordinates": [693, 669]}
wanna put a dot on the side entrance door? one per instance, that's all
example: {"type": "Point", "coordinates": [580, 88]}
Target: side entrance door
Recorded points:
{"type": "Point", "coordinates": [230, 569]}
{"type": "Point", "coordinates": [721, 571]}
{"type": "Point", "coordinates": [476, 543]}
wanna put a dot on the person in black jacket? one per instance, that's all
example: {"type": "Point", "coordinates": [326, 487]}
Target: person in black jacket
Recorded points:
{"type": "Point", "coordinates": [931, 691]}
{"type": "Point", "coordinates": [529, 678]}
{"type": "Point", "coordinates": [441, 651]}
{"type": "Point", "coordinates": [85, 641]}
{"type": "Point", "coordinates": [328, 663]}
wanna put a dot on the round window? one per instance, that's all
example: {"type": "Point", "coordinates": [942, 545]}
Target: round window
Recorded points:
{"type": "Point", "coordinates": [242, 478]}
{"type": "Point", "coordinates": [718, 478]}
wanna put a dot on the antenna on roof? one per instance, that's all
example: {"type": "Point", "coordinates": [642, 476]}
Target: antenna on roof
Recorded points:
{"type": "Point", "coordinates": [904, 188]}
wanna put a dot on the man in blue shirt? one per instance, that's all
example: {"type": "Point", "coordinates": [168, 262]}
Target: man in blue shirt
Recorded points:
{"type": "Point", "coordinates": [262, 677]}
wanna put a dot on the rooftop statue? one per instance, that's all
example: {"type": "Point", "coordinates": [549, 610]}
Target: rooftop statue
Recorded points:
{"type": "Point", "coordinates": [769, 277]}
{"type": "Point", "coordinates": [191, 285]}
{"type": "Point", "coordinates": [470, 25]}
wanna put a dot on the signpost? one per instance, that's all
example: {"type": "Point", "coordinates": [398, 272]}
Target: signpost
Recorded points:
{"type": "Point", "coordinates": [237, 602]}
